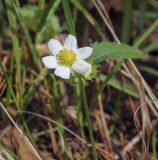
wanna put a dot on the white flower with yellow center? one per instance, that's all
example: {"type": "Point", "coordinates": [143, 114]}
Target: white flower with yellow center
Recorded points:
{"type": "Point", "coordinates": [67, 57]}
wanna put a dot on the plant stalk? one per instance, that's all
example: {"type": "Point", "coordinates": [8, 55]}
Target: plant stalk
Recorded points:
{"type": "Point", "coordinates": [84, 98]}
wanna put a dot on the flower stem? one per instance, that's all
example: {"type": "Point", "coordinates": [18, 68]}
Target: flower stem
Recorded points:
{"type": "Point", "coordinates": [79, 109]}
{"type": "Point", "coordinates": [84, 98]}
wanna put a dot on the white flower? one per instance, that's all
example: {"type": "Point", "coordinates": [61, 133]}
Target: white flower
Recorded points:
{"type": "Point", "coordinates": [67, 57]}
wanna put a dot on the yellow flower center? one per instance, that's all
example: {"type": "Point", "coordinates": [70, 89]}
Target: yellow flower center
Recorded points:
{"type": "Point", "coordinates": [66, 57]}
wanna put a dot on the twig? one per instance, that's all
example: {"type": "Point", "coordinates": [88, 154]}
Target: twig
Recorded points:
{"type": "Point", "coordinates": [105, 131]}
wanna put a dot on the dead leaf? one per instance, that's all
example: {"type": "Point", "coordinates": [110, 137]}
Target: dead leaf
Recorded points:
{"type": "Point", "coordinates": [18, 143]}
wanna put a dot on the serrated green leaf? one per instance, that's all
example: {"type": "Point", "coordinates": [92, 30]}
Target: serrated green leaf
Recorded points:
{"type": "Point", "coordinates": [111, 50]}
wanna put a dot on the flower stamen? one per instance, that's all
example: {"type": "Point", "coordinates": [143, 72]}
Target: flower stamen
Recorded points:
{"type": "Point", "coordinates": [66, 57]}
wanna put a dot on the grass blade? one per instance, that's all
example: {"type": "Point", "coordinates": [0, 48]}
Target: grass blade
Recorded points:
{"type": "Point", "coordinates": [16, 52]}
{"type": "Point", "coordinates": [126, 88]}
{"type": "Point", "coordinates": [53, 5]}
{"type": "Point", "coordinates": [68, 16]}
{"type": "Point", "coordinates": [9, 84]}
{"type": "Point", "coordinates": [151, 47]}
{"type": "Point", "coordinates": [126, 28]}
{"type": "Point", "coordinates": [35, 55]}
{"type": "Point", "coordinates": [146, 34]}
{"type": "Point", "coordinates": [149, 70]}
{"type": "Point", "coordinates": [89, 17]}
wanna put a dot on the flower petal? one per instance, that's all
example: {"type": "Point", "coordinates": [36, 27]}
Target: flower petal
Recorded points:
{"type": "Point", "coordinates": [81, 67]}
{"type": "Point", "coordinates": [70, 42]}
{"type": "Point", "coordinates": [63, 72]}
{"type": "Point", "coordinates": [54, 46]}
{"type": "Point", "coordinates": [84, 52]}
{"type": "Point", "coordinates": [50, 62]}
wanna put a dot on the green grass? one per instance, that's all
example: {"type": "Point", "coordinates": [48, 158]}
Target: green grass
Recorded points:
{"type": "Point", "coordinates": [32, 48]}
{"type": "Point", "coordinates": [16, 53]}
{"type": "Point", "coordinates": [8, 153]}
{"type": "Point", "coordinates": [32, 87]}
{"type": "Point", "coordinates": [127, 20]}
{"type": "Point", "coordinates": [68, 17]}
